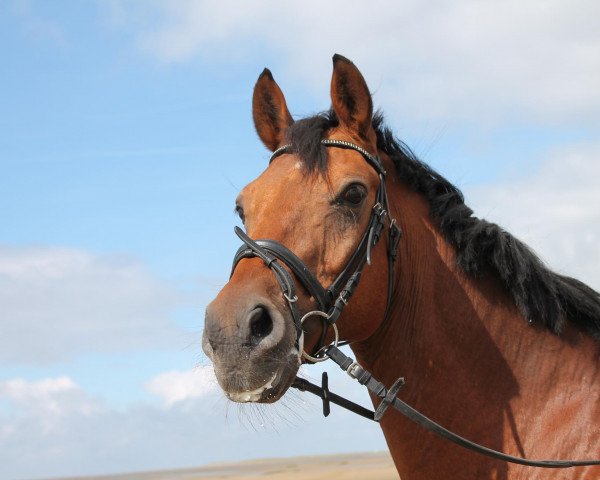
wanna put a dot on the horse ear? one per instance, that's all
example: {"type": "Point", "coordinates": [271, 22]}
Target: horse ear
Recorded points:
{"type": "Point", "coordinates": [269, 110]}
{"type": "Point", "coordinates": [350, 97]}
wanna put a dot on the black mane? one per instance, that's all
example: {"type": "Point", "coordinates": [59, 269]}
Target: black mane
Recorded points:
{"type": "Point", "coordinates": [542, 296]}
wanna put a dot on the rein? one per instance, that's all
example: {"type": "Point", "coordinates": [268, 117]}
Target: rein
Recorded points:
{"type": "Point", "coordinates": [389, 399]}
{"type": "Point", "coordinates": [332, 300]}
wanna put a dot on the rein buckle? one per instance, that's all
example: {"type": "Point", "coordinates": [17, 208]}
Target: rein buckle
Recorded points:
{"type": "Point", "coordinates": [354, 370]}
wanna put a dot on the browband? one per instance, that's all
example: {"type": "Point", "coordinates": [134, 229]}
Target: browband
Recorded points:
{"type": "Point", "coordinates": [374, 161]}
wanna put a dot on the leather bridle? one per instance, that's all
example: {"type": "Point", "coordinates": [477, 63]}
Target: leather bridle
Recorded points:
{"type": "Point", "coordinates": [331, 300]}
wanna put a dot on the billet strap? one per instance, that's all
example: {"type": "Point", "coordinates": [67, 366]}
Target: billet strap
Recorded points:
{"type": "Point", "coordinates": [389, 398]}
{"type": "Point", "coordinates": [370, 238]}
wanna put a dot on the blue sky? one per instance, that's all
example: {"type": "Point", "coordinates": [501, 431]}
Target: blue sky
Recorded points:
{"type": "Point", "coordinates": [125, 135]}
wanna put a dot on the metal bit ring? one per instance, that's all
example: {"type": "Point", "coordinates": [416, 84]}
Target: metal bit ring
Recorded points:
{"type": "Point", "coordinates": [318, 313]}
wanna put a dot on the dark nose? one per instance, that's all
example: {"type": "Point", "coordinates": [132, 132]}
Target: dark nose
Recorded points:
{"type": "Point", "coordinates": [255, 329]}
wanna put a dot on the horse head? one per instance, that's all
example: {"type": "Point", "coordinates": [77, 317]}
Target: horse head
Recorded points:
{"type": "Point", "coordinates": [318, 203]}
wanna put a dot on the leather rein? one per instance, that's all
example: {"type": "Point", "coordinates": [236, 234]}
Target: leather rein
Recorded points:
{"type": "Point", "coordinates": [332, 300]}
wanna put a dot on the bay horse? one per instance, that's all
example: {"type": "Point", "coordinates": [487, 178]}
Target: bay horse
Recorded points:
{"type": "Point", "coordinates": [494, 345]}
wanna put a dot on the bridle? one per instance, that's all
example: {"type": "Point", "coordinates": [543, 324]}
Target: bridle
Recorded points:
{"type": "Point", "coordinates": [332, 300]}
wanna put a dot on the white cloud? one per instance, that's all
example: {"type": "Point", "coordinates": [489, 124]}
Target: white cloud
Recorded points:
{"type": "Point", "coordinates": [57, 302]}
{"type": "Point", "coordinates": [86, 436]}
{"type": "Point", "coordinates": [177, 386]}
{"type": "Point", "coordinates": [556, 211]}
{"type": "Point", "coordinates": [20, 390]}
{"type": "Point", "coordinates": [461, 60]}
{"type": "Point", "coordinates": [47, 401]}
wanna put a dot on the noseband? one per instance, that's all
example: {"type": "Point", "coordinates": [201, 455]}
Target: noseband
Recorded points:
{"type": "Point", "coordinates": [331, 300]}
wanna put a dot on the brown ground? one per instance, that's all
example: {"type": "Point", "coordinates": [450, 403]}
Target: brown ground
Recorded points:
{"type": "Point", "coordinates": [358, 466]}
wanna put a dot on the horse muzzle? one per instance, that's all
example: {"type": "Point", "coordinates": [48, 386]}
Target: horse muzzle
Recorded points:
{"type": "Point", "coordinates": [252, 345]}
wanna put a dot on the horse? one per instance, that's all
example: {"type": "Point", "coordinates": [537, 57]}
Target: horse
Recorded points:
{"type": "Point", "coordinates": [495, 346]}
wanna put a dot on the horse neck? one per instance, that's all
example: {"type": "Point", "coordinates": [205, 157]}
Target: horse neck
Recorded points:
{"type": "Point", "coordinates": [439, 318]}
{"type": "Point", "coordinates": [464, 350]}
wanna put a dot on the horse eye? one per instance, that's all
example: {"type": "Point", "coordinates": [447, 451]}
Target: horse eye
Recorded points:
{"type": "Point", "coordinates": [354, 194]}
{"type": "Point", "coordinates": [240, 213]}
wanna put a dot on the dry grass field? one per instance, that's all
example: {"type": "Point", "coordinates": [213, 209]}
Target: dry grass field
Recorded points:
{"type": "Point", "coordinates": [360, 466]}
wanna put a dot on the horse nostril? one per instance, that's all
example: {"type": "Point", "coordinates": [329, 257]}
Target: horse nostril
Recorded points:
{"type": "Point", "coordinates": [261, 324]}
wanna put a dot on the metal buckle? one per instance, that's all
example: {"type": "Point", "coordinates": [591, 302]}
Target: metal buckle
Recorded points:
{"type": "Point", "coordinates": [294, 299]}
{"type": "Point", "coordinates": [352, 369]}
{"type": "Point", "coordinates": [379, 210]}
